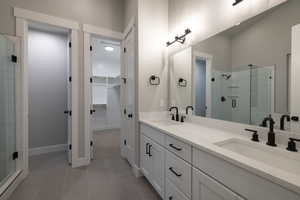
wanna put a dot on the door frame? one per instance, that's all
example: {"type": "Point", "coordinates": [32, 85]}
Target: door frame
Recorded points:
{"type": "Point", "coordinates": [23, 20]}
{"type": "Point", "coordinates": [208, 58]}
{"type": "Point", "coordinates": [88, 32]}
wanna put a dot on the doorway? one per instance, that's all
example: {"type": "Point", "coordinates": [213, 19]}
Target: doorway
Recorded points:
{"type": "Point", "coordinates": [200, 88]}
{"type": "Point", "coordinates": [201, 75]}
{"type": "Point", "coordinates": [105, 88]}
{"type": "Point", "coordinates": [49, 89]}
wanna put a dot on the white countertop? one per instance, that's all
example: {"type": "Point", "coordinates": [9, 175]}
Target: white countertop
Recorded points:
{"type": "Point", "coordinates": [204, 138]}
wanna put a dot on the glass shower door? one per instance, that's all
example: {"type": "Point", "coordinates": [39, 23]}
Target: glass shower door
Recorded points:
{"type": "Point", "coordinates": [7, 109]}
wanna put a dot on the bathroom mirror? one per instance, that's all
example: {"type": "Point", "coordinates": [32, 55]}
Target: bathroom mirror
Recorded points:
{"type": "Point", "coordinates": [241, 74]}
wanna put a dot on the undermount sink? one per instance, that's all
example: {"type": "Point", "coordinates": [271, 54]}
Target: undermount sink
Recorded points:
{"type": "Point", "coordinates": [166, 122]}
{"type": "Point", "coordinates": [272, 156]}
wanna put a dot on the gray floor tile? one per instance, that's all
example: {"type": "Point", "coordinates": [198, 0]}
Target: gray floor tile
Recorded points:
{"type": "Point", "coordinates": [108, 177]}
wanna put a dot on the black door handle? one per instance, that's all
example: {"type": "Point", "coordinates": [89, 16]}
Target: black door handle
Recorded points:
{"type": "Point", "coordinates": [130, 115]}
{"type": "Point", "coordinates": [149, 150]}
{"type": "Point", "coordinates": [147, 145]}
{"type": "Point", "coordinates": [176, 148]}
{"type": "Point", "coordinates": [170, 198]}
{"type": "Point", "coordinates": [174, 172]}
{"type": "Point", "coordinates": [92, 111]}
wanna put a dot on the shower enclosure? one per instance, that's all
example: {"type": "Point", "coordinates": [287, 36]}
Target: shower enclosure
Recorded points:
{"type": "Point", "coordinates": [244, 95]}
{"type": "Point", "coordinates": [8, 117]}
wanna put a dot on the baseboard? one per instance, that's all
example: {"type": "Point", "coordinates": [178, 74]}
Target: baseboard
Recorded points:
{"type": "Point", "coordinates": [136, 171]}
{"type": "Point", "coordinates": [47, 149]}
{"type": "Point", "coordinates": [21, 176]}
{"type": "Point", "coordinates": [80, 162]}
{"type": "Point", "coordinates": [107, 128]}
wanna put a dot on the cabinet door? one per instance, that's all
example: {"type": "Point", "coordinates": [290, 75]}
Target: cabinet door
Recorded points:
{"type": "Point", "coordinates": [145, 159]}
{"type": "Point", "coordinates": [206, 188]}
{"type": "Point", "coordinates": [157, 156]}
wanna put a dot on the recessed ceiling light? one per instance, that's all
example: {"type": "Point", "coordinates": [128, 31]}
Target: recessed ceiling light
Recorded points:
{"type": "Point", "coordinates": [108, 48]}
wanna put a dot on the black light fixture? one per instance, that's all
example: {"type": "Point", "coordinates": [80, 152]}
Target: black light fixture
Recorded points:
{"type": "Point", "coordinates": [180, 39]}
{"type": "Point", "coordinates": [237, 2]}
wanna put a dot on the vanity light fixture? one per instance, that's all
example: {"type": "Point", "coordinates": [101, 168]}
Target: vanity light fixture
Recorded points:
{"type": "Point", "coordinates": [180, 39]}
{"type": "Point", "coordinates": [237, 2]}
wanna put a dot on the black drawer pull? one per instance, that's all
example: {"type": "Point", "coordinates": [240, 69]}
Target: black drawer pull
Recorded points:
{"type": "Point", "coordinates": [174, 172]}
{"type": "Point", "coordinates": [149, 150]}
{"type": "Point", "coordinates": [176, 148]}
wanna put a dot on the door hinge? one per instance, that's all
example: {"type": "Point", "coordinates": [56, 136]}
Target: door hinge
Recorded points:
{"type": "Point", "coordinates": [92, 111]}
{"type": "Point", "coordinates": [91, 48]}
{"type": "Point", "coordinates": [70, 146]}
{"type": "Point", "coordinates": [70, 44]}
{"type": "Point", "coordinates": [91, 80]}
{"type": "Point", "coordinates": [14, 58]}
{"type": "Point", "coordinates": [91, 143]}
{"type": "Point", "coordinates": [125, 142]}
{"type": "Point", "coordinates": [125, 50]}
{"type": "Point", "coordinates": [15, 155]}
{"type": "Point", "coordinates": [70, 78]}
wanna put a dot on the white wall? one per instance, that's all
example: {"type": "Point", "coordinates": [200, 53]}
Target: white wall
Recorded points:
{"type": "Point", "coordinates": [48, 65]}
{"type": "Point", "coordinates": [152, 37]}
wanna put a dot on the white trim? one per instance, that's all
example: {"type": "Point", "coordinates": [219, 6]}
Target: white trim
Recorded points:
{"type": "Point", "coordinates": [129, 27]}
{"type": "Point", "coordinates": [90, 30]}
{"type": "Point", "coordinates": [47, 19]}
{"type": "Point", "coordinates": [107, 128]}
{"type": "Point", "coordinates": [103, 32]}
{"type": "Point", "coordinates": [80, 162]}
{"type": "Point", "coordinates": [16, 179]}
{"type": "Point", "coordinates": [48, 149]}
{"type": "Point", "coordinates": [208, 58]}
{"type": "Point", "coordinates": [87, 94]}
{"type": "Point", "coordinates": [22, 32]}
{"type": "Point", "coordinates": [137, 171]}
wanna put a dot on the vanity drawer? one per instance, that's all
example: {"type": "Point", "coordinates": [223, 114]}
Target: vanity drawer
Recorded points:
{"type": "Point", "coordinates": [179, 173]}
{"type": "Point", "coordinates": [153, 134]}
{"type": "Point", "coordinates": [181, 149]}
{"type": "Point", "coordinates": [241, 181]}
{"type": "Point", "coordinates": [172, 193]}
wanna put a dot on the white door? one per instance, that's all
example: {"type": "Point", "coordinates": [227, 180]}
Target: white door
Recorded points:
{"type": "Point", "coordinates": [128, 98]}
{"type": "Point", "coordinates": [295, 81]}
{"type": "Point", "coordinates": [10, 151]}
{"type": "Point", "coordinates": [206, 188]}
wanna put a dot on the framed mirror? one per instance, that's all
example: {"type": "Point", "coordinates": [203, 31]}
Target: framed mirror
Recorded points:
{"type": "Point", "coordinates": [242, 74]}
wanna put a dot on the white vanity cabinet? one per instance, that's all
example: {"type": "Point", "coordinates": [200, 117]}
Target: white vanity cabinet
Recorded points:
{"type": "Point", "coordinates": [179, 171]}
{"type": "Point", "coordinates": [153, 163]}
{"type": "Point", "coordinates": [206, 188]}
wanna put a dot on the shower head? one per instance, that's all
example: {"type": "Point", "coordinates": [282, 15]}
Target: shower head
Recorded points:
{"type": "Point", "coordinates": [226, 76]}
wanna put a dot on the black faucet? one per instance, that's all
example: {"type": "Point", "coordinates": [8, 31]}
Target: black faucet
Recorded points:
{"type": "Point", "coordinates": [187, 109]}
{"type": "Point", "coordinates": [288, 118]}
{"type": "Point", "coordinates": [177, 113]}
{"type": "Point", "coordinates": [271, 134]}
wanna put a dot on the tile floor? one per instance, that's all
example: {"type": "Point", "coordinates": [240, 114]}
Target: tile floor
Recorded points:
{"type": "Point", "coordinates": [109, 177]}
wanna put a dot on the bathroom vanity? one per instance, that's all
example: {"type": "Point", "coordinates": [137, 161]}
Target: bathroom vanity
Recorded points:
{"type": "Point", "coordinates": [193, 161]}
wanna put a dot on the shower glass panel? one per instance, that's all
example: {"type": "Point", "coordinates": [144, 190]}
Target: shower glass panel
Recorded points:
{"type": "Point", "coordinates": [262, 93]}
{"type": "Point", "coordinates": [231, 95]}
{"type": "Point", "coordinates": [7, 110]}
